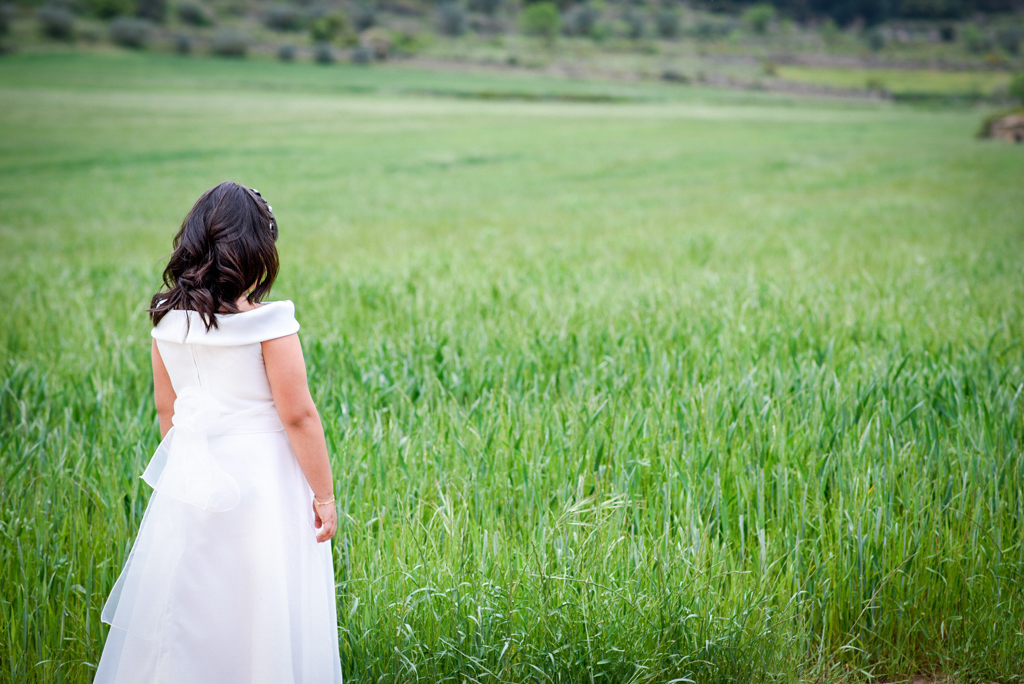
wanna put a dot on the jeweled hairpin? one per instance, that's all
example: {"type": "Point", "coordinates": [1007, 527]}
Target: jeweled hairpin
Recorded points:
{"type": "Point", "coordinates": [273, 221]}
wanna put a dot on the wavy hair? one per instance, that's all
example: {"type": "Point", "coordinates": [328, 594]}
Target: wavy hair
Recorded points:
{"type": "Point", "coordinates": [224, 249]}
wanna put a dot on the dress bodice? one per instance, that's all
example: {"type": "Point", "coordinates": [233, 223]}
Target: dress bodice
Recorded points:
{"type": "Point", "coordinates": [224, 363]}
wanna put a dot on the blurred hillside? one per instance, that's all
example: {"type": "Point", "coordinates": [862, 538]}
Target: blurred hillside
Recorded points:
{"type": "Point", "coordinates": [914, 49]}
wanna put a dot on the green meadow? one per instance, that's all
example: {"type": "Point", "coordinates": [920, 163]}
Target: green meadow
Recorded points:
{"type": "Point", "coordinates": [906, 82]}
{"type": "Point", "coordinates": [622, 382]}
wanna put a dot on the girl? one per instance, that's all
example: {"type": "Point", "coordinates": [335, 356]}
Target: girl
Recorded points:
{"type": "Point", "coordinates": [230, 579]}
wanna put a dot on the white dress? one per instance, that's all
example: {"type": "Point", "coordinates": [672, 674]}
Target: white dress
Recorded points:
{"type": "Point", "coordinates": [226, 583]}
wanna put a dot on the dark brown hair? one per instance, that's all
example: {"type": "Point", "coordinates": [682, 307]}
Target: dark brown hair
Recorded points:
{"type": "Point", "coordinates": [225, 246]}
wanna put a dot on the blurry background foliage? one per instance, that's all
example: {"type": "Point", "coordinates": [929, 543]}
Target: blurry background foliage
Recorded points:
{"type": "Point", "coordinates": [720, 42]}
{"type": "Point", "coordinates": [541, 19]}
{"type": "Point", "coordinates": [131, 32]}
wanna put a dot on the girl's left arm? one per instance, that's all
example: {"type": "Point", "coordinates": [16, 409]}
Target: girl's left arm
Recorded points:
{"type": "Point", "coordinates": [163, 392]}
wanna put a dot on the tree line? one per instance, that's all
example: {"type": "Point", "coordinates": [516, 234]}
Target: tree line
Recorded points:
{"type": "Point", "coordinates": [845, 12]}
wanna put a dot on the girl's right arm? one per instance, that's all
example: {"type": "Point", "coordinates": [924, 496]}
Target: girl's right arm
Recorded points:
{"type": "Point", "coordinates": [286, 370]}
{"type": "Point", "coordinates": [163, 392]}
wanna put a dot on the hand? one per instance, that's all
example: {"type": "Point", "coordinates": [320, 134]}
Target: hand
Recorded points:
{"type": "Point", "coordinates": [326, 521]}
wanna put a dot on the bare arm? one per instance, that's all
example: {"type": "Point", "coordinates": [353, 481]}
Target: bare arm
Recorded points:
{"type": "Point", "coordinates": [163, 392]}
{"type": "Point", "coordinates": [286, 370]}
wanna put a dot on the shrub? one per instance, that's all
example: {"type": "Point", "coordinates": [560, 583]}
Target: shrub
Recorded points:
{"type": "Point", "coordinates": [830, 33]}
{"type": "Point", "coordinates": [976, 40]}
{"type": "Point", "coordinates": [759, 17]}
{"type": "Point", "coordinates": [90, 34]}
{"type": "Point", "coordinates": [451, 18]}
{"type": "Point", "coordinates": [406, 43]}
{"type": "Point", "coordinates": [7, 14]}
{"type": "Point", "coordinates": [323, 53]}
{"type": "Point", "coordinates": [1010, 39]}
{"type": "Point", "coordinates": [667, 23]}
{"type": "Point", "coordinates": [1016, 89]}
{"type": "Point", "coordinates": [406, 8]}
{"type": "Point", "coordinates": [364, 17]}
{"type": "Point", "coordinates": [315, 12]}
{"type": "Point", "coordinates": [875, 85]}
{"type": "Point", "coordinates": [580, 20]}
{"type": "Point", "coordinates": [108, 9]}
{"type": "Point", "coordinates": [947, 33]}
{"type": "Point", "coordinates": [130, 32]}
{"type": "Point", "coordinates": [602, 31]}
{"type": "Point", "coordinates": [331, 26]}
{"type": "Point", "coordinates": [379, 41]}
{"type": "Point", "coordinates": [875, 39]}
{"type": "Point", "coordinates": [541, 19]}
{"type": "Point", "coordinates": [154, 10]}
{"type": "Point", "coordinates": [283, 18]}
{"type": "Point", "coordinates": [488, 7]}
{"type": "Point", "coordinates": [635, 22]}
{"type": "Point", "coordinates": [706, 30]}
{"type": "Point", "coordinates": [56, 22]}
{"type": "Point", "coordinates": [286, 53]}
{"type": "Point", "coordinates": [229, 43]}
{"type": "Point", "coordinates": [195, 14]}
{"type": "Point", "coordinates": [183, 44]}
{"type": "Point", "coordinates": [988, 123]}
{"type": "Point", "coordinates": [361, 54]}
{"type": "Point", "coordinates": [237, 8]}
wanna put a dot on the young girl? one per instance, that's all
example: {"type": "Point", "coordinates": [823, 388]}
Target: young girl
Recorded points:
{"type": "Point", "coordinates": [230, 580]}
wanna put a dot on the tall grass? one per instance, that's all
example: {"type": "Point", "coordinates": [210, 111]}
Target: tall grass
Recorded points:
{"type": "Point", "coordinates": [700, 392]}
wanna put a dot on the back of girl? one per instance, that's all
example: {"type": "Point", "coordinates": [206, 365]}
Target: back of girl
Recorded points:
{"type": "Point", "coordinates": [230, 579]}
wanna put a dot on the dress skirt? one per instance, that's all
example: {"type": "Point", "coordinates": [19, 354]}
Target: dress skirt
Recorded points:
{"type": "Point", "coordinates": [237, 596]}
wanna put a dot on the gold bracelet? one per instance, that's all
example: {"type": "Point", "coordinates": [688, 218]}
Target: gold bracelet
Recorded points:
{"type": "Point", "coordinates": [322, 503]}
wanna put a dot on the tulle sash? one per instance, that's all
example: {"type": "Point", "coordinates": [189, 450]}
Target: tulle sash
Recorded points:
{"type": "Point", "coordinates": [183, 467]}
{"type": "Point", "coordinates": [182, 471]}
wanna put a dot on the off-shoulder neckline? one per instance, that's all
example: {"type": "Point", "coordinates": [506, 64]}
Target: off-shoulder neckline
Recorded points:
{"type": "Point", "coordinates": [258, 306]}
{"type": "Point", "coordinates": [275, 319]}
{"type": "Point", "coordinates": [262, 305]}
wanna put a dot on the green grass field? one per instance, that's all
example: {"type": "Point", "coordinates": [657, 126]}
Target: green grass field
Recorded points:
{"type": "Point", "coordinates": [690, 386]}
{"type": "Point", "coordinates": [904, 81]}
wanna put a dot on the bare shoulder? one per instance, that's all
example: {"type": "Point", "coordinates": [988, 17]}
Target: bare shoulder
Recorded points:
{"type": "Point", "coordinates": [286, 371]}
{"type": "Point", "coordinates": [282, 351]}
{"type": "Point", "coordinates": [283, 342]}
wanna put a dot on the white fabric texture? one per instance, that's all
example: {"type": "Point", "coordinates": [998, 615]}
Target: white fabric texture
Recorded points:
{"type": "Point", "coordinates": [225, 583]}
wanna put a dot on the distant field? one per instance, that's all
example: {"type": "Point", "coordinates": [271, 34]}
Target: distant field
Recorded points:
{"type": "Point", "coordinates": [122, 70]}
{"type": "Point", "coordinates": [903, 81]}
{"type": "Point", "coordinates": [668, 384]}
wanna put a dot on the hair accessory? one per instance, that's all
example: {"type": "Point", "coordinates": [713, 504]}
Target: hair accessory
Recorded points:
{"type": "Point", "coordinates": [273, 220]}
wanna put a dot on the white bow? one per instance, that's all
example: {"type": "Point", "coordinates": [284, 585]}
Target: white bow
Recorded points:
{"type": "Point", "coordinates": [183, 467]}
